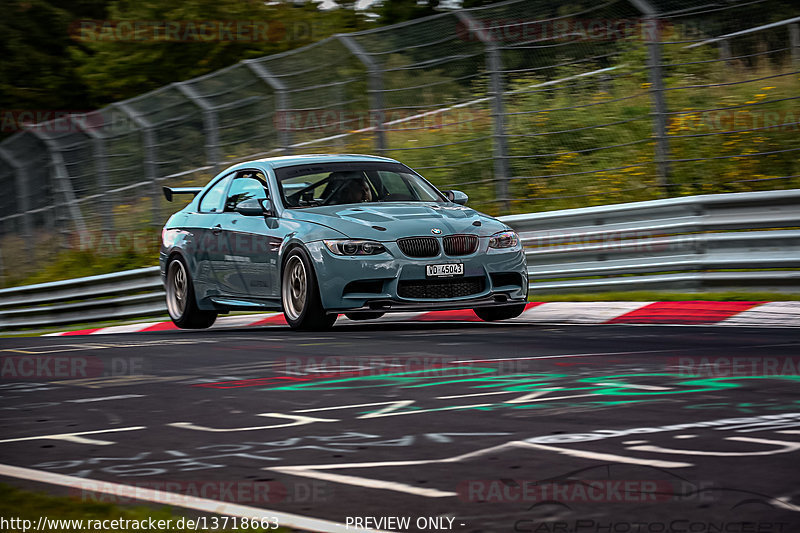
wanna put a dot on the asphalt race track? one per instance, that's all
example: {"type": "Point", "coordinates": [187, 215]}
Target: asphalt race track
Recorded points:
{"type": "Point", "coordinates": [499, 427]}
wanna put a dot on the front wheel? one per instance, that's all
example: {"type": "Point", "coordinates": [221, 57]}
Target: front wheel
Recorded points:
{"type": "Point", "coordinates": [501, 312]}
{"type": "Point", "coordinates": [302, 305]}
{"type": "Point", "coordinates": [181, 303]}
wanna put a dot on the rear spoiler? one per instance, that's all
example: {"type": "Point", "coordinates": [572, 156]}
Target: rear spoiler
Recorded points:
{"type": "Point", "coordinates": [169, 191]}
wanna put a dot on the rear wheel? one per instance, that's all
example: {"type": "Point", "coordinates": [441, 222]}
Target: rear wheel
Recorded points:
{"type": "Point", "coordinates": [364, 316]}
{"type": "Point", "coordinates": [302, 306]}
{"type": "Point", "coordinates": [181, 303]}
{"type": "Point", "coordinates": [501, 312]}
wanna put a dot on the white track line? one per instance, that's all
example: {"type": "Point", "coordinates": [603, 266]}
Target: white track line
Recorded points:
{"type": "Point", "coordinates": [316, 472]}
{"type": "Point", "coordinates": [188, 502]}
{"type": "Point", "coordinates": [78, 437]}
{"type": "Point", "coordinates": [369, 482]}
{"type": "Point", "coordinates": [106, 398]}
{"type": "Point", "coordinates": [607, 457]}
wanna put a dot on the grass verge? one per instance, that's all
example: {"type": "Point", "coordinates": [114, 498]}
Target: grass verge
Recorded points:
{"type": "Point", "coordinates": [27, 505]}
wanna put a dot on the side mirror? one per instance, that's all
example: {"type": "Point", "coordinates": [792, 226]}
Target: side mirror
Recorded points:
{"type": "Point", "coordinates": [255, 207]}
{"type": "Point", "coordinates": [457, 197]}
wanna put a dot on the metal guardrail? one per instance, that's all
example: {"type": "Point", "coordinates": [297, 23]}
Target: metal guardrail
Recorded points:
{"type": "Point", "coordinates": [125, 294]}
{"type": "Point", "coordinates": [719, 241]}
{"type": "Point", "coordinates": [739, 240]}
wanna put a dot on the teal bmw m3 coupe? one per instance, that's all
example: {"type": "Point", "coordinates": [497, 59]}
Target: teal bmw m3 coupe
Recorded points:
{"type": "Point", "coordinates": [316, 236]}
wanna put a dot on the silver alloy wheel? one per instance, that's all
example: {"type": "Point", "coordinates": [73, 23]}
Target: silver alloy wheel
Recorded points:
{"type": "Point", "coordinates": [177, 289]}
{"type": "Point", "coordinates": [294, 287]}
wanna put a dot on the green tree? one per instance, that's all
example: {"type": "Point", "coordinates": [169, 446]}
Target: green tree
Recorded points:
{"type": "Point", "coordinates": [114, 69]}
{"type": "Point", "coordinates": [394, 11]}
{"type": "Point", "coordinates": [37, 71]}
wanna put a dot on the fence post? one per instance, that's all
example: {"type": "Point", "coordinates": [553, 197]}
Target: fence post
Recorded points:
{"type": "Point", "coordinates": [150, 168]}
{"type": "Point", "coordinates": [652, 29]}
{"type": "Point", "coordinates": [23, 198]}
{"type": "Point", "coordinates": [210, 122]}
{"type": "Point", "coordinates": [62, 183]}
{"type": "Point", "coordinates": [494, 66]}
{"type": "Point", "coordinates": [282, 102]}
{"type": "Point", "coordinates": [338, 96]}
{"type": "Point", "coordinates": [99, 152]}
{"type": "Point", "coordinates": [659, 107]}
{"type": "Point", "coordinates": [375, 89]}
{"type": "Point", "coordinates": [794, 40]}
{"type": "Point", "coordinates": [725, 51]}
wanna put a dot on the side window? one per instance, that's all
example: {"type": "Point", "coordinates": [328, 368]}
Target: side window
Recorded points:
{"type": "Point", "coordinates": [211, 202]}
{"type": "Point", "coordinates": [247, 185]}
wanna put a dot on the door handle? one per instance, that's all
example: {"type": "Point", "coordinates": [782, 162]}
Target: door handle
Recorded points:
{"type": "Point", "coordinates": [216, 230]}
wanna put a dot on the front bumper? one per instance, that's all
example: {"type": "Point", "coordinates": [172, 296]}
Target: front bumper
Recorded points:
{"type": "Point", "coordinates": [388, 276]}
{"type": "Point", "coordinates": [389, 306]}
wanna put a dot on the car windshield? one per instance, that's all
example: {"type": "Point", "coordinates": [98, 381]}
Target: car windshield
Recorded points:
{"type": "Point", "coordinates": [350, 183]}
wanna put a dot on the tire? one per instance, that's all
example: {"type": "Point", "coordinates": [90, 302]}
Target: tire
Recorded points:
{"type": "Point", "coordinates": [501, 312]}
{"type": "Point", "coordinates": [302, 306]}
{"type": "Point", "coordinates": [181, 302]}
{"type": "Point", "coordinates": [364, 316]}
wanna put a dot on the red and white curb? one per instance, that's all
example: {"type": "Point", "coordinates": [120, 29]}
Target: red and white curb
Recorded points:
{"type": "Point", "coordinates": [773, 314]}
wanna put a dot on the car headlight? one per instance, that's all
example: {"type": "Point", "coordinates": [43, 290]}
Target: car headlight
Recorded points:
{"type": "Point", "coordinates": [352, 247]}
{"type": "Point", "coordinates": [504, 239]}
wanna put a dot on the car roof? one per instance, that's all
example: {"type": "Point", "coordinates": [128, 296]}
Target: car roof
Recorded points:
{"type": "Point", "coordinates": [290, 160]}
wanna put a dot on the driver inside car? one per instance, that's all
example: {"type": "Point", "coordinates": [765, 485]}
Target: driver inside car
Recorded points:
{"type": "Point", "coordinates": [354, 189]}
{"type": "Point", "coordinates": [357, 190]}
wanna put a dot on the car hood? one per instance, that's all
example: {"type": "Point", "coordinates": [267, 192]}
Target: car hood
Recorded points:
{"type": "Point", "coordinates": [364, 221]}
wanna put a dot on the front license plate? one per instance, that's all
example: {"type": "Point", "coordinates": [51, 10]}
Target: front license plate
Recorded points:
{"type": "Point", "coordinates": [449, 269]}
